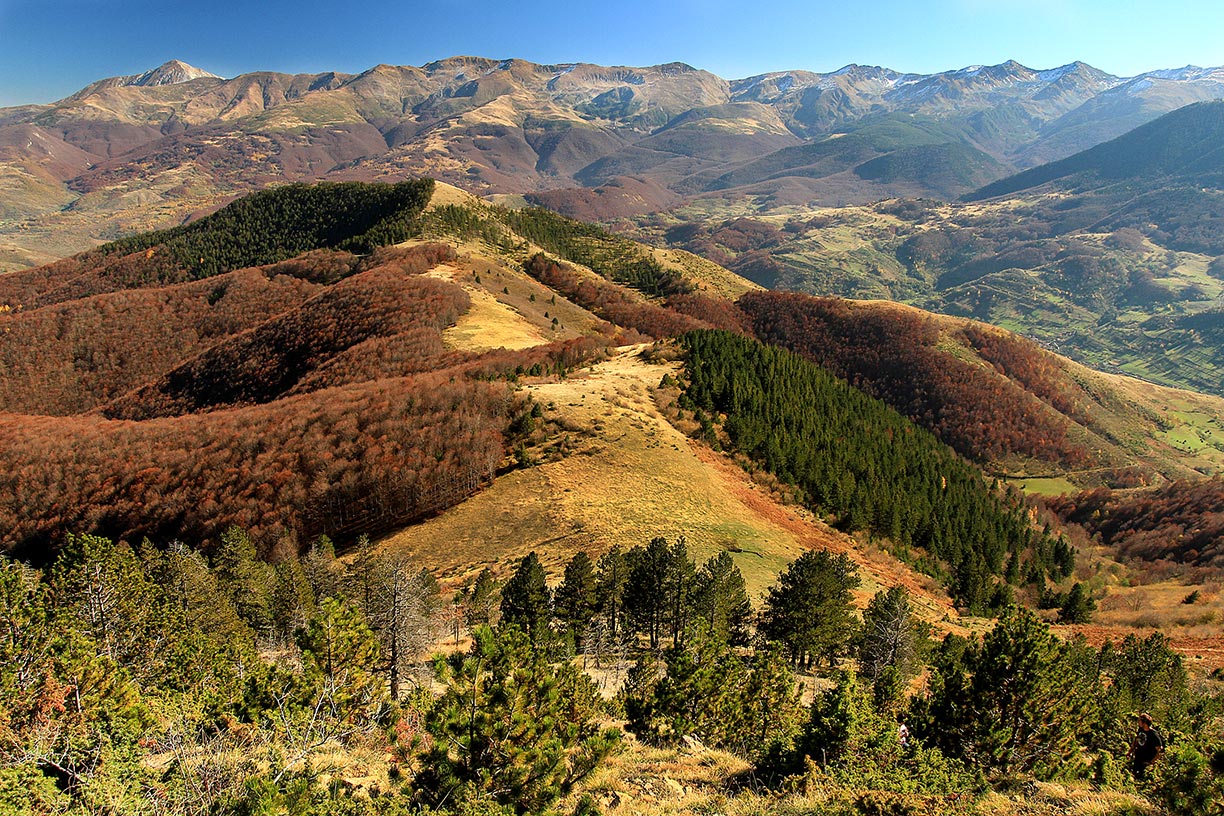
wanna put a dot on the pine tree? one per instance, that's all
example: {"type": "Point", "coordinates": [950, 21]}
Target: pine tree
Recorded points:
{"type": "Point", "coordinates": [26, 640]}
{"type": "Point", "coordinates": [404, 610]}
{"type": "Point", "coordinates": [340, 659]}
{"type": "Point", "coordinates": [844, 722]}
{"type": "Point", "coordinates": [100, 590]}
{"type": "Point", "coordinates": [575, 598]}
{"type": "Point", "coordinates": [680, 587]}
{"type": "Point", "coordinates": [510, 726]}
{"type": "Point", "coordinates": [646, 596]}
{"type": "Point", "coordinates": [1078, 607]}
{"type": "Point", "coordinates": [698, 695]}
{"type": "Point", "coordinates": [809, 609]}
{"type": "Point", "coordinates": [610, 580]}
{"type": "Point", "coordinates": [888, 644]}
{"type": "Point", "coordinates": [1016, 702]}
{"type": "Point", "coordinates": [245, 578]}
{"type": "Point", "coordinates": [481, 600]}
{"type": "Point", "coordinates": [770, 713]}
{"type": "Point", "coordinates": [291, 601]}
{"type": "Point", "coordinates": [721, 599]}
{"type": "Point", "coordinates": [525, 600]}
{"type": "Point", "coordinates": [323, 571]}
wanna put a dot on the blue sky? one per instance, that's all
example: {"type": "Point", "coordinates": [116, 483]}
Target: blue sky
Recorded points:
{"type": "Point", "coordinates": [50, 48]}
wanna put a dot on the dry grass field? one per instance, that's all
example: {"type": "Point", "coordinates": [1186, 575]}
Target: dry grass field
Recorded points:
{"type": "Point", "coordinates": [624, 475]}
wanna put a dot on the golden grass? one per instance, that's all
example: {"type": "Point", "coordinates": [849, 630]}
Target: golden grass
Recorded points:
{"type": "Point", "coordinates": [628, 476]}
{"type": "Point", "coordinates": [708, 276]}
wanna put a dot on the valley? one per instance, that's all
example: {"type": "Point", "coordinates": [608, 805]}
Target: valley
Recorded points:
{"type": "Point", "coordinates": [372, 481]}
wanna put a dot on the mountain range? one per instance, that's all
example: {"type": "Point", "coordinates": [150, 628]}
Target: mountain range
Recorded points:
{"type": "Point", "coordinates": [146, 151]}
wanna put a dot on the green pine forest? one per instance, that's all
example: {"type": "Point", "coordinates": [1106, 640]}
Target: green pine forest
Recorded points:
{"type": "Point", "coordinates": [864, 464]}
{"type": "Point", "coordinates": [161, 680]}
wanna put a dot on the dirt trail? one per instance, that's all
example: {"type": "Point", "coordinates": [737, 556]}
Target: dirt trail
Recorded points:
{"type": "Point", "coordinates": [631, 476]}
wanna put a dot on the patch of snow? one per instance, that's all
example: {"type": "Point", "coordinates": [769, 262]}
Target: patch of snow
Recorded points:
{"type": "Point", "coordinates": [972, 70]}
{"type": "Point", "coordinates": [1139, 85]}
{"type": "Point", "coordinates": [786, 83]}
{"type": "Point", "coordinates": [1055, 74]}
{"type": "Point", "coordinates": [1189, 72]}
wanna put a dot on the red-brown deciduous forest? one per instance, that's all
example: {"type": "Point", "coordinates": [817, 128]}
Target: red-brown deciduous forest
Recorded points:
{"type": "Point", "coordinates": [1181, 521]}
{"type": "Point", "coordinates": [309, 396]}
{"type": "Point", "coordinates": [894, 354]}
{"type": "Point", "coordinates": [360, 458]}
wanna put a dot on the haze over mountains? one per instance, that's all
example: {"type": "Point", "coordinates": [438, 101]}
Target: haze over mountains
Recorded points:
{"type": "Point", "coordinates": [135, 152]}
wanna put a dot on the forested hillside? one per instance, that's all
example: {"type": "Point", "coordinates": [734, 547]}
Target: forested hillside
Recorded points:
{"type": "Point", "coordinates": [1180, 522]}
{"type": "Point", "coordinates": [304, 396]}
{"type": "Point", "coordinates": [1110, 256]}
{"type": "Point", "coordinates": [155, 680]}
{"type": "Point", "coordinates": [177, 634]}
{"type": "Point", "coordinates": [867, 466]}
{"type": "Point", "coordinates": [269, 226]}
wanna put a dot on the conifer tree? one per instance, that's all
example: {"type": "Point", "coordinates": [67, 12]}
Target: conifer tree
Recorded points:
{"type": "Point", "coordinates": [25, 642]}
{"type": "Point", "coordinates": [680, 588]}
{"type": "Point", "coordinates": [291, 601]}
{"type": "Point", "coordinates": [843, 722]}
{"type": "Point", "coordinates": [525, 599]}
{"type": "Point", "coordinates": [245, 578]}
{"type": "Point", "coordinates": [1013, 703]}
{"type": "Point", "coordinates": [770, 713]}
{"type": "Point", "coordinates": [575, 598]}
{"type": "Point", "coordinates": [888, 644]}
{"type": "Point", "coordinates": [708, 692]}
{"type": "Point", "coordinates": [339, 658]}
{"type": "Point", "coordinates": [481, 600]}
{"type": "Point", "coordinates": [404, 610]}
{"type": "Point", "coordinates": [610, 581]}
{"type": "Point", "coordinates": [100, 590]}
{"type": "Point", "coordinates": [809, 609]}
{"type": "Point", "coordinates": [1078, 606]}
{"type": "Point", "coordinates": [510, 726]}
{"type": "Point", "coordinates": [323, 571]}
{"type": "Point", "coordinates": [194, 589]}
{"type": "Point", "coordinates": [646, 589]}
{"type": "Point", "coordinates": [698, 695]}
{"type": "Point", "coordinates": [721, 599]}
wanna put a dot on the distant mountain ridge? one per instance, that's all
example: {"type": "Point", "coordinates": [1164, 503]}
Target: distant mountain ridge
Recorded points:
{"type": "Point", "coordinates": [172, 72]}
{"type": "Point", "coordinates": [143, 151]}
{"type": "Point", "coordinates": [1187, 143]}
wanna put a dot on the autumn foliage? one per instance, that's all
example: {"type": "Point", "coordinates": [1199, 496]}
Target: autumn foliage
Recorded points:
{"type": "Point", "coordinates": [309, 396]}
{"type": "Point", "coordinates": [1181, 521]}
{"type": "Point", "coordinates": [895, 355]}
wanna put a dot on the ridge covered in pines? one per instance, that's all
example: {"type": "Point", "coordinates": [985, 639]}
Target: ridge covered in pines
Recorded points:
{"type": "Point", "coordinates": [862, 462]}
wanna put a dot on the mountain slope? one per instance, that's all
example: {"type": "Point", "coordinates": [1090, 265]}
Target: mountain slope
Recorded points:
{"type": "Point", "coordinates": [1185, 144]}
{"type": "Point", "coordinates": [363, 396]}
{"type": "Point", "coordinates": [134, 153]}
{"type": "Point", "coordinates": [1112, 256]}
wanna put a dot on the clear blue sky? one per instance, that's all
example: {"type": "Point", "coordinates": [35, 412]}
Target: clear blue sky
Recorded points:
{"type": "Point", "coordinates": [50, 48]}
